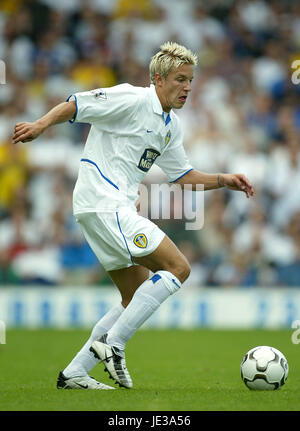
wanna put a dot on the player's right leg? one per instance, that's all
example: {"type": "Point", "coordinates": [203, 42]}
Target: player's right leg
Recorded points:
{"type": "Point", "coordinates": [79, 382]}
{"type": "Point", "coordinates": [75, 375]}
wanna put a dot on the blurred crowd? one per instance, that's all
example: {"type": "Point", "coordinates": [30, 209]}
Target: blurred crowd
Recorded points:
{"type": "Point", "coordinates": [243, 115]}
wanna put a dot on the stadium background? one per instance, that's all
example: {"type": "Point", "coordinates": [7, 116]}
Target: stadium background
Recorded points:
{"type": "Point", "coordinates": [243, 115]}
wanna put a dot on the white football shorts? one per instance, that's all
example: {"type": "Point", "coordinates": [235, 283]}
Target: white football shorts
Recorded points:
{"type": "Point", "coordinates": [117, 237]}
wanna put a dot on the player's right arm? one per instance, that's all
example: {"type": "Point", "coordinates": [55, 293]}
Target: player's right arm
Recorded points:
{"type": "Point", "coordinates": [25, 132]}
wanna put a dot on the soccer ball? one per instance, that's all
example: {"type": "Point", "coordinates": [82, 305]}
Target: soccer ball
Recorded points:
{"type": "Point", "coordinates": [264, 368]}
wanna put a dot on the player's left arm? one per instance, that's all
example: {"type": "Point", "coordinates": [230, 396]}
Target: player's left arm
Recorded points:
{"type": "Point", "coordinates": [216, 181]}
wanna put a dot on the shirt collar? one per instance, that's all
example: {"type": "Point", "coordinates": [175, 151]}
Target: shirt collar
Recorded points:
{"type": "Point", "coordinates": [157, 108]}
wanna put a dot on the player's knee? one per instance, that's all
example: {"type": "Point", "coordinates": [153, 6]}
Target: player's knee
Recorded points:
{"type": "Point", "coordinates": [182, 270]}
{"type": "Point", "coordinates": [185, 272]}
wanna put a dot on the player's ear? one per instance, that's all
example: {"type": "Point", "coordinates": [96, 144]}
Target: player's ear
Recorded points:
{"type": "Point", "coordinates": [158, 79]}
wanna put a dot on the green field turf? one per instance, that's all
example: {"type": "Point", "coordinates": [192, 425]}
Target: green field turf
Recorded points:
{"type": "Point", "coordinates": [172, 370]}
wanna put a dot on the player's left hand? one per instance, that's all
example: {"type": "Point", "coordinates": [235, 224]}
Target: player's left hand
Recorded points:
{"type": "Point", "coordinates": [237, 182]}
{"type": "Point", "coordinates": [26, 132]}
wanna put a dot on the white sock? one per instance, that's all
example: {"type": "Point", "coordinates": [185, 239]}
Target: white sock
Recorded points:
{"type": "Point", "coordinates": [144, 302]}
{"type": "Point", "coordinates": [85, 360]}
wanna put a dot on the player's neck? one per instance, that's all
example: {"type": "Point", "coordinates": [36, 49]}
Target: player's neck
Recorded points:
{"type": "Point", "coordinates": [163, 100]}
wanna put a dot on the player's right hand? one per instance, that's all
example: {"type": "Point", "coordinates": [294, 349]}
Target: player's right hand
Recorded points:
{"type": "Point", "coordinates": [26, 132]}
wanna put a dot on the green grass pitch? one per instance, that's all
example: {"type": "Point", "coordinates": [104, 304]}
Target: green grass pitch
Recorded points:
{"type": "Point", "coordinates": [172, 370]}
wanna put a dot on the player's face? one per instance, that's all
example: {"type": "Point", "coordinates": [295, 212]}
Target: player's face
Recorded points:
{"type": "Point", "coordinates": [173, 90]}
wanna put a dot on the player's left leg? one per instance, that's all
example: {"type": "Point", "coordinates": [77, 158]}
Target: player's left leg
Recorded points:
{"type": "Point", "coordinates": [85, 360]}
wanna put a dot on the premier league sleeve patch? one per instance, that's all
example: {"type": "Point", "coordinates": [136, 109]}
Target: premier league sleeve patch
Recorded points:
{"type": "Point", "coordinates": [99, 94]}
{"type": "Point", "coordinates": [140, 240]}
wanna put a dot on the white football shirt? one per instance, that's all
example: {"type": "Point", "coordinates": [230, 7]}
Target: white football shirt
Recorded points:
{"type": "Point", "coordinates": [129, 132]}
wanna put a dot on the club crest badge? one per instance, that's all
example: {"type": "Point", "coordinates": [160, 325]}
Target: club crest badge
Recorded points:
{"type": "Point", "coordinates": [167, 138]}
{"type": "Point", "coordinates": [140, 240]}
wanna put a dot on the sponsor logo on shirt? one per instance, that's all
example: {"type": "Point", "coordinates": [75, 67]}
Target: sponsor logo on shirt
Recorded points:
{"type": "Point", "coordinates": [148, 158]}
{"type": "Point", "coordinates": [140, 240]}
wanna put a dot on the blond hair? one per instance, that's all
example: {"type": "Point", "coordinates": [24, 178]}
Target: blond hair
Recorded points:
{"type": "Point", "coordinates": [171, 56]}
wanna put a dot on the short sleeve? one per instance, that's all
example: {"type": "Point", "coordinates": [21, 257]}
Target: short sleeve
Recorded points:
{"type": "Point", "coordinates": [104, 104]}
{"type": "Point", "coordinates": [174, 161]}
